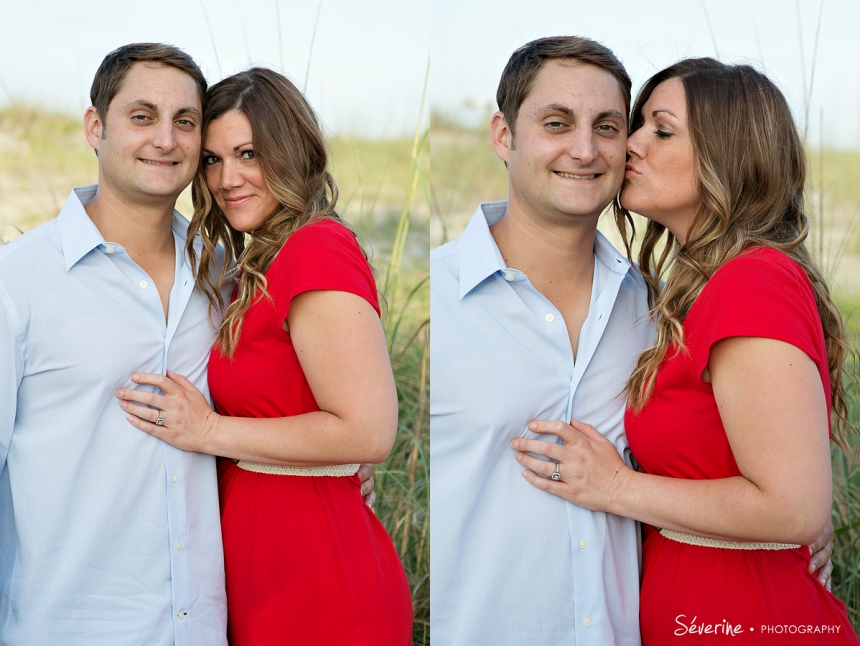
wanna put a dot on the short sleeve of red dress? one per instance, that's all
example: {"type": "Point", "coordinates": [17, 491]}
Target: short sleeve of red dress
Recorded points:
{"type": "Point", "coordinates": [264, 377]}
{"type": "Point", "coordinates": [761, 293]}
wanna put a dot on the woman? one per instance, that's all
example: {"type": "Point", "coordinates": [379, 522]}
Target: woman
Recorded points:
{"type": "Point", "coordinates": [300, 376]}
{"type": "Point", "coordinates": [729, 413]}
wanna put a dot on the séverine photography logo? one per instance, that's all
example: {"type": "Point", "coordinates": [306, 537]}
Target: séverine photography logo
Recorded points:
{"type": "Point", "coordinates": [692, 626]}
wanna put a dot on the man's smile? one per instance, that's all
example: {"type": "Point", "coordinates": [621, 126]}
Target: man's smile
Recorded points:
{"type": "Point", "coordinates": [159, 163]}
{"type": "Point", "coordinates": [572, 176]}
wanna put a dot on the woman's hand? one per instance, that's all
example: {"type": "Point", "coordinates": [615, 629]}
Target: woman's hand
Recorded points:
{"type": "Point", "coordinates": [592, 474]}
{"type": "Point", "coordinates": [820, 551]}
{"type": "Point", "coordinates": [188, 420]}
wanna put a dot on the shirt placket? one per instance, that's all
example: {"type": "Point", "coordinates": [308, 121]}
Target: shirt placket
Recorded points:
{"type": "Point", "coordinates": [176, 462]}
{"type": "Point", "coordinates": [588, 529]}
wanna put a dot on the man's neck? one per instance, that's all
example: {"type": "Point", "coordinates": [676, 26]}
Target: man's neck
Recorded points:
{"type": "Point", "coordinates": [142, 229]}
{"type": "Point", "coordinates": [558, 258]}
{"type": "Point", "coordinates": [546, 251]}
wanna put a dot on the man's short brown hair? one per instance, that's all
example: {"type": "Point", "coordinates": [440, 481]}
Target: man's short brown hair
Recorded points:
{"type": "Point", "coordinates": [525, 63]}
{"type": "Point", "coordinates": [116, 65]}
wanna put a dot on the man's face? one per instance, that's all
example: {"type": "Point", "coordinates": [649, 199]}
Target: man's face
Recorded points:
{"type": "Point", "coordinates": [151, 136]}
{"type": "Point", "coordinates": [567, 158]}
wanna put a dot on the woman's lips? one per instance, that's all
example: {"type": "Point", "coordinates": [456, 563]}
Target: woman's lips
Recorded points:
{"type": "Point", "coordinates": [234, 202]}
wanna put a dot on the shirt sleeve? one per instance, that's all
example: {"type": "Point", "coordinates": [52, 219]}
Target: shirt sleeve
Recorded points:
{"type": "Point", "coordinates": [762, 293]}
{"type": "Point", "coordinates": [11, 370]}
{"type": "Point", "coordinates": [321, 256]}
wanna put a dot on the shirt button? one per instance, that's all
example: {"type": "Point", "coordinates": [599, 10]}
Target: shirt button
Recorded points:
{"type": "Point", "coordinates": [586, 621]}
{"type": "Point", "coordinates": [550, 318]}
{"type": "Point", "coordinates": [178, 545]}
{"type": "Point", "coordinates": [180, 614]}
{"type": "Point", "coordinates": [583, 544]}
{"type": "Point", "coordinates": [143, 284]}
{"type": "Point", "coordinates": [175, 478]}
{"type": "Point", "coordinates": [109, 249]}
{"type": "Point", "coordinates": [509, 276]}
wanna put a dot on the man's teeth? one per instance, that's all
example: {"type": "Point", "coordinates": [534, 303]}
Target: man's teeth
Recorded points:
{"type": "Point", "coordinates": [572, 176]}
{"type": "Point", "coordinates": [149, 161]}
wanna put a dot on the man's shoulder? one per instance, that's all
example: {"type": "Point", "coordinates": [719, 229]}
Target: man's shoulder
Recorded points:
{"type": "Point", "coordinates": [31, 247]}
{"type": "Point", "coordinates": [445, 251]}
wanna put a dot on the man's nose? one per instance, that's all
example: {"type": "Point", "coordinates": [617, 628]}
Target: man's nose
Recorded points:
{"type": "Point", "coordinates": [582, 146]}
{"type": "Point", "coordinates": [165, 138]}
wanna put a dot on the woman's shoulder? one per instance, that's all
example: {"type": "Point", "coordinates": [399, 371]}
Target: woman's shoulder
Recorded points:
{"type": "Point", "coordinates": [325, 231]}
{"type": "Point", "coordinates": [757, 266]}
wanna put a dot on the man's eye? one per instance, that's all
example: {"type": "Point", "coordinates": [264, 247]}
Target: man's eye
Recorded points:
{"type": "Point", "coordinates": [607, 128]}
{"type": "Point", "coordinates": [555, 125]}
{"type": "Point", "coordinates": [186, 122]}
{"type": "Point", "coordinates": [140, 118]}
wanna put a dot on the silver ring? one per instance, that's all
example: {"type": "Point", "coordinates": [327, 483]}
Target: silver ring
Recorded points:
{"type": "Point", "coordinates": [160, 420]}
{"type": "Point", "coordinates": [555, 474]}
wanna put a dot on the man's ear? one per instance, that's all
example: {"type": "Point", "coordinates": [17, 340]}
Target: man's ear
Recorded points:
{"type": "Point", "coordinates": [503, 138]}
{"type": "Point", "coordinates": [93, 127]}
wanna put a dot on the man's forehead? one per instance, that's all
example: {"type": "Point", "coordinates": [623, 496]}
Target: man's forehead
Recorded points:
{"type": "Point", "coordinates": [572, 85]}
{"type": "Point", "coordinates": [158, 87]}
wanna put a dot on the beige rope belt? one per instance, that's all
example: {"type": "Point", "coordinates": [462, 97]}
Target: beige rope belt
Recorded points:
{"type": "Point", "coordinates": [689, 539]}
{"type": "Point", "coordinates": [279, 470]}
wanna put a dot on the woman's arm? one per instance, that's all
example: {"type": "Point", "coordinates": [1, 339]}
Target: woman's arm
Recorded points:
{"type": "Point", "coordinates": [773, 408]}
{"type": "Point", "coordinates": [342, 350]}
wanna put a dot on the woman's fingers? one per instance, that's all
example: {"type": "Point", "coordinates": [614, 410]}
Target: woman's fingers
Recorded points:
{"type": "Point", "coordinates": [141, 397]}
{"type": "Point", "coordinates": [543, 467]}
{"type": "Point", "coordinates": [554, 427]}
{"type": "Point", "coordinates": [538, 447]}
{"type": "Point", "coordinates": [551, 486]}
{"type": "Point", "coordinates": [167, 386]}
{"type": "Point", "coordinates": [143, 412]}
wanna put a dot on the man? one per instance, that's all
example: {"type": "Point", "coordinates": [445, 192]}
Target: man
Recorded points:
{"type": "Point", "coordinates": [535, 316]}
{"type": "Point", "coordinates": [108, 535]}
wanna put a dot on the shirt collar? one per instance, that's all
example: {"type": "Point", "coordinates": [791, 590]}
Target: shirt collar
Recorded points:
{"type": "Point", "coordinates": [79, 235]}
{"type": "Point", "coordinates": [480, 256]}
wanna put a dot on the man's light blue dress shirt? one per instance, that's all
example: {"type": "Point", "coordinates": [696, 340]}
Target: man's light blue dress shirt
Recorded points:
{"type": "Point", "coordinates": [108, 536]}
{"type": "Point", "coordinates": [513, 565]}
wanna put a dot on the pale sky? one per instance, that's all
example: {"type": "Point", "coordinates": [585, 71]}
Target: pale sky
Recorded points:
{"type": "Point", "coordinates": [366, 72]}
{"type": "Point", "coordinates": [369, 56]}
{"type": "Point", "coordinates": [473, 39]}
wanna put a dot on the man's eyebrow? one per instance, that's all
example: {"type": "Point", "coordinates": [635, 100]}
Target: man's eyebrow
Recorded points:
{"type": "Point", "coordinates": [140, 103]}
{"type": "Point", "coordinates": [611, 114]}
{"type": "Point", "coordinates": [554, 107]}
{"type": "Point", "coordinates": [189, 110]}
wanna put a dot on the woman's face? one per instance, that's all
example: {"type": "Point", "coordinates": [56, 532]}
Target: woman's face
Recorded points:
{"type": "Point", "coordinates": [233, 174]}
{"type": "Point", "coordinates": [661, 181]}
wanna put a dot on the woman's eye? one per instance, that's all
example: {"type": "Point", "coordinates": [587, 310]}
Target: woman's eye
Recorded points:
{"type": "Point", "coordinates": [663, 134]}
{"type": "Point", "coordinates": [247, 154]}
{"type": "Point", "coordinates": [208, 160]}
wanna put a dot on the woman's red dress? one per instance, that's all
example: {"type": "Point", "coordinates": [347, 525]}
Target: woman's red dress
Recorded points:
{"type": "Point", "coordinates": [306, 561]}
{"type": "Point", "coordinates": [690, 593]}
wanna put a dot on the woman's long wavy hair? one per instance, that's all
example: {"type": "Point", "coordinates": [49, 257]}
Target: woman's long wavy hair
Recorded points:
{"type": "Point", "coordinates": [290, 149]}
{"type": "Point", "coordinates": [752, 172]}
